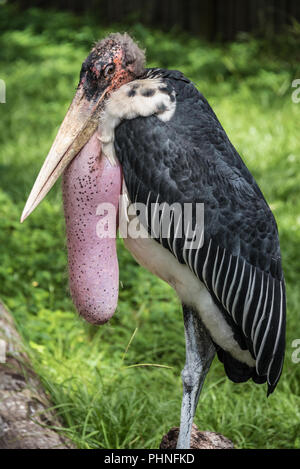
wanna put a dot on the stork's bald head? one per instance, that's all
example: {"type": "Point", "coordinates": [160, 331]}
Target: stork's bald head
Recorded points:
{"type": "Point", "coordinates": [113, 61]}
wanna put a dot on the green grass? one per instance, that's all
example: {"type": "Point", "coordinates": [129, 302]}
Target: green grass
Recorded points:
{"type": "Point", "coordinates": [103, 400]}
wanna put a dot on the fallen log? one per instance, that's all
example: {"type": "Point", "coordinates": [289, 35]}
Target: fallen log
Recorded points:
{"type": "Point", "coordinates": [199, 440]}
{"type": "Point", "coordinates": [26, 421]}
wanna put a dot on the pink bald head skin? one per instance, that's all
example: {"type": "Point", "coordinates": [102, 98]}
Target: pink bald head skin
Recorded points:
{"type": "Point", "coordinates": [91, 189]}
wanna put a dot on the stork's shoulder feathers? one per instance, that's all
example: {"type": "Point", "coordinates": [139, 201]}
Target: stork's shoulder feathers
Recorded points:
{"type": "Point", "coordinates": [189, 159]}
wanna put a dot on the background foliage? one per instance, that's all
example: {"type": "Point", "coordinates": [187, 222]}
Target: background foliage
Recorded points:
{"type": "Point", "coordinates": [104, 400]}
{"type": "Point", "coordinates": [210, 19]}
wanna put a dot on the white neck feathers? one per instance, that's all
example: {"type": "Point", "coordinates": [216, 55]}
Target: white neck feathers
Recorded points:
{"type": "Point", "coordinates": [143, 98]}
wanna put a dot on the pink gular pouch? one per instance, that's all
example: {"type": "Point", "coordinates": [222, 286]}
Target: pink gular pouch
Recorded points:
{"type": "Point", "coordinates": [91, 189]}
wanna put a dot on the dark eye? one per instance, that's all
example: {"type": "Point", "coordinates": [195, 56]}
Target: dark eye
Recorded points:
{"type": "Point", "coordinates": [109, 70]}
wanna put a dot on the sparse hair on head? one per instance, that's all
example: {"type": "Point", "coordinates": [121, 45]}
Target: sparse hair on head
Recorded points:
{"type": "Point", "coordinates": [133, 54]}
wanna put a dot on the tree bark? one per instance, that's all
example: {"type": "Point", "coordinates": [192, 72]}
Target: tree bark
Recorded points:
{"type": "Point", "coordinates": [199, 440]}
{"type": "Point", "coordinates": [25, 418]}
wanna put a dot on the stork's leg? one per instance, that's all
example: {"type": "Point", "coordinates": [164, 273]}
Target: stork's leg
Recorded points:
{"type": "Point", "coordinates": [200, 352]}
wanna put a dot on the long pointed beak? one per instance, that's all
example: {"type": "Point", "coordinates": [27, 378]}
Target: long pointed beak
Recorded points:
{"type": "Point", "coordinates": [76, 129]}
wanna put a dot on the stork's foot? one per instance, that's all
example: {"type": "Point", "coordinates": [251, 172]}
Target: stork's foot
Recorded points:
{"type": "Point", "coordinates": [199, 440]}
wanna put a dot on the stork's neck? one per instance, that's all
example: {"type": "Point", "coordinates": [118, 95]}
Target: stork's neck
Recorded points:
{"type": "Point", "coordinates": [143, 97]}
{"type": "Point", "coordinates": [164, 73]}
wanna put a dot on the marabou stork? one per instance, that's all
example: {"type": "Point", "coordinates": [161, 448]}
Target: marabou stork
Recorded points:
{"type": "Point", "coordinates": [164, 145]}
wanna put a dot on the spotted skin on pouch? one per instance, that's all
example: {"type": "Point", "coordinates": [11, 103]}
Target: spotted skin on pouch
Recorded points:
{"type": "Point", "coordinates": [88, 181]}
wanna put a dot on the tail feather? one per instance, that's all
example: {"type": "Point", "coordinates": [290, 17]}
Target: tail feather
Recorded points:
{"type": "Point", "coordinates": [239, 372]}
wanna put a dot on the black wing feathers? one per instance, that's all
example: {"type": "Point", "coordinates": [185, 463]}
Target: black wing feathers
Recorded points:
{"type": "Point", "coordinates": [191, 160]}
